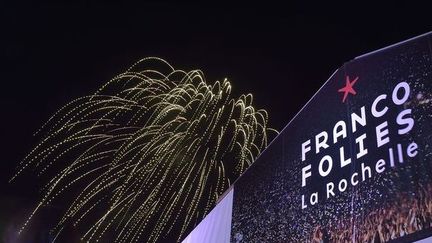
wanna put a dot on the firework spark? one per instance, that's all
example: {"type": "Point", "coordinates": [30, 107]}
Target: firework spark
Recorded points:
{"type": "Point", "coordinates": [147, 156]}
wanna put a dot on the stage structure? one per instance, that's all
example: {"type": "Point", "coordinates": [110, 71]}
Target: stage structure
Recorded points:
{"type": "Point", "coordinates": [354, 165]}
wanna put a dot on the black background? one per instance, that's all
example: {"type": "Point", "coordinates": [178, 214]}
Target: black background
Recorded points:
{"type": "Point", "coordinates": [52, 53]}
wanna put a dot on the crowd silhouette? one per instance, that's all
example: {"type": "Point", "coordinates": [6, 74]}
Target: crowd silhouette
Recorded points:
{"type": "Point", "coordinates": [407, 213]}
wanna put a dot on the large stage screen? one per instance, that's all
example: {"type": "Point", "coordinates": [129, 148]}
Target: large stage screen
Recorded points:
{"type": "Point", "coordinates": [355, 164]}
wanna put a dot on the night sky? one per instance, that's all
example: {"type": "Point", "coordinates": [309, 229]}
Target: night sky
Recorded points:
{"type": "Point", "coordinates": [53, 53]}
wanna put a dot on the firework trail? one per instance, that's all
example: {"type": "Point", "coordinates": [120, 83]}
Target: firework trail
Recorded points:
{"type": "Point", "coordinates": [147, 156]}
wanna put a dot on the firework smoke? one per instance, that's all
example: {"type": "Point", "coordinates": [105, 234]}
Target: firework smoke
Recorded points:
{"type": "Point", "coordinates": [146, 157]}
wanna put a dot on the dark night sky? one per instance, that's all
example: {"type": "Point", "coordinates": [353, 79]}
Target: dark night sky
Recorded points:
{"type": "Point", "coordinates": [53, 53]}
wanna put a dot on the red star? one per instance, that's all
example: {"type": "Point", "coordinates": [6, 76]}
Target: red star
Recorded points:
{"type": "Point", "coordinates": [348, 89]}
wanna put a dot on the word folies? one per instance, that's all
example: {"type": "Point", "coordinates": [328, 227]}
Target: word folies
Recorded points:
{"type": "Point", "coordinates": [330, 163]}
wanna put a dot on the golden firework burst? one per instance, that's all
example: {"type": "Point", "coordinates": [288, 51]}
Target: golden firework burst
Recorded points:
{"type": "Point", "coordinates": [147, 156]}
